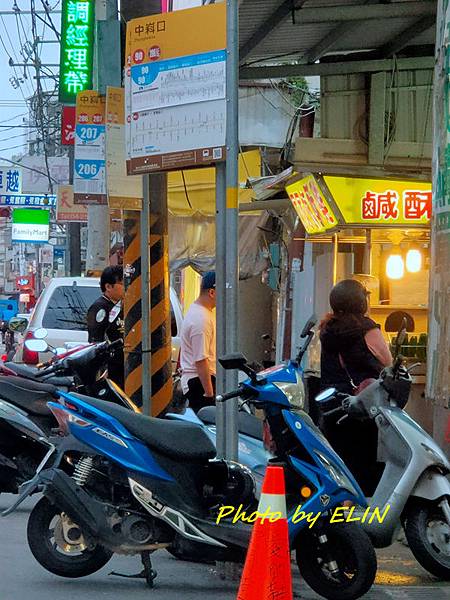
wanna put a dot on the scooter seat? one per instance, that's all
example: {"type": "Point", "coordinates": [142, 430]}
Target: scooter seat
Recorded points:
{"type": "Point", "coordinates": [175, 439]}
{"type": "Point", "coordinates": [31, 372]}
{"type": "Point", "coordinates": [247, 424]}
{"type": "Point", "coordinates": [29, 395]}
{"type": "Point", "coordinates": [22, 370]}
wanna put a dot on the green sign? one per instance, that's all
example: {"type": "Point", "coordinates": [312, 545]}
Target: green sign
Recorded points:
{"type": "Point", "coordinates": [77, 42]}
{"type": "Point", "coordinates": [30, 225]}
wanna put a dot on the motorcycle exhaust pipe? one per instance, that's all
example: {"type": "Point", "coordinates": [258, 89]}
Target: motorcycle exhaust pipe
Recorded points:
{"type": "Point", "coordinates": [63, 492]}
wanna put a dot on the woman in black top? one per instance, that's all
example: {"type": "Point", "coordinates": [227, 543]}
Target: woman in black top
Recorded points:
{"type": "Point", "coordinates": [352, 350]}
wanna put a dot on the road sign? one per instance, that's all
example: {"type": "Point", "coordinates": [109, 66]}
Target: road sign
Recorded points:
{"type": "Point", "coordinates": [124, 193]}
{"type": "Point", "coordinates": [67, 211]}
{"type": "Point", "coordinates": [175, 82]}
{"type": "Point", "coordinates": [89, 181]}
{"type": "Point", "coordinates": [32, 200]}
{"type": "Point", "coordinates": [68, 126]}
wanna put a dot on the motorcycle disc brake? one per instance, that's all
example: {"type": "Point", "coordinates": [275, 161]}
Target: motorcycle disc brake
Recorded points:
{"type": "Point", "coordinates": [68, 535]}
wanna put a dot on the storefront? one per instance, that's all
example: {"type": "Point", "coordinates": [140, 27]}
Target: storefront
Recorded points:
{"type": "Point", "coordinates": [378, 232]}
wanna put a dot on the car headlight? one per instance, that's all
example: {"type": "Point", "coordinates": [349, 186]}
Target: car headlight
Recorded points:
{"type": "Point", "coordinates": [294, 392]}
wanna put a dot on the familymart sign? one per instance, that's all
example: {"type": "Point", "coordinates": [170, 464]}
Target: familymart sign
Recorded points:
{"type": "Point", "coordinates": [30, 225]}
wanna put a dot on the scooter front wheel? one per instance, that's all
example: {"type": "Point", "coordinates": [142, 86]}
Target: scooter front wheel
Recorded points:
{"type": "Point", "coordinates": [428, 535]}
{"type": "Point", "coordinates": [59, 546]}
{"type": "Point", "coordinates": [336, 560]}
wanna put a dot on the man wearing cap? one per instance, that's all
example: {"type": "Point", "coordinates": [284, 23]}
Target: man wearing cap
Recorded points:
{"type": "Point", "coordinates": [198, 347]}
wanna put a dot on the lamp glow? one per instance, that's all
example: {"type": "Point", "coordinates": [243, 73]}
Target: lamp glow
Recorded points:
{"type": "Point", "coordinates": [395, 267]}
{"type": "Point", "coordinates": [413, 260]}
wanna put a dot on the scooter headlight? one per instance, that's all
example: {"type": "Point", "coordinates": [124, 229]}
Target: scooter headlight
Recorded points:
{"type": "Point", "coordinates": [294, 392]}
{"type": "Point", "coordinates": [337, 474]}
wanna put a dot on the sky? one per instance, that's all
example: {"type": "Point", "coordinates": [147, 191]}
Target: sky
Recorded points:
{"type": "Point", "coordinates": [14, 33]}
{"type": "Point", "coordinates": [15, 30]}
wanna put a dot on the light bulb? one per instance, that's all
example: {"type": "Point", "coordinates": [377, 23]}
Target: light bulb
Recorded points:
{"type": "Point", "coordinates": [395, 267]}
{"type": "Point", "coordinates": [413, 260]}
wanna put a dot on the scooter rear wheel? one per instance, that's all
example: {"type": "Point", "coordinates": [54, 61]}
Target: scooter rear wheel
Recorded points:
{"type": "Point", "coordinates": [428, 535]}
{"type": "Point", "coordinates": [46, 540]}
{"type": "Point", "coordinates": [342, 566]}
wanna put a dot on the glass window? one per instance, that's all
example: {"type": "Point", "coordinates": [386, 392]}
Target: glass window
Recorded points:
{"type": "Point", "coordinates": [68, 306]}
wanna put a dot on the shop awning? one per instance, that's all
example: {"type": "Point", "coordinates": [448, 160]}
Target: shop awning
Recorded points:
{"type": "Point", "coordinates": [193, 191]}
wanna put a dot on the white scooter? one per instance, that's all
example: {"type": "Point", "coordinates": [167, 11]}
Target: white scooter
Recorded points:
{"type": "Point", "coordinates": [415, 484]}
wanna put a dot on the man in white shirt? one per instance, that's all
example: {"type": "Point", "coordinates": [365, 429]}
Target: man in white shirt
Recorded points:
{"type": "Point", "coordinates": [198, 347]}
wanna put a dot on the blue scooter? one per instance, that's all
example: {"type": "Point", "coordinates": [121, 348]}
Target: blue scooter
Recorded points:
{"type": "Point", "coordinates": [252, 451]}
{"type": "Point", "coordinates": [120, 482]}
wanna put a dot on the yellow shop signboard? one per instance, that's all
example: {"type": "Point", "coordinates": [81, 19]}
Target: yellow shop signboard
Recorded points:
{"type": "Point", "coordinates": [375, 202]}
{"type": "Point", "coordinates": [311, 205]}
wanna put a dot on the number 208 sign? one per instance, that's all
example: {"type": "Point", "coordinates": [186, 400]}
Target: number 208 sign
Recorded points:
{"type": "Point", "coordinates": [90, 149]}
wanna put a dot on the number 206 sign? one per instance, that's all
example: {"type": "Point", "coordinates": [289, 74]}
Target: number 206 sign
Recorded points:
{"type": "Point", "coordinates": [90, 149]}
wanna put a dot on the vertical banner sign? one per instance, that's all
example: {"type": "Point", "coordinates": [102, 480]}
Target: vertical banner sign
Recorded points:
{"type": "Point", "coordinates": [68, 126]}
{"type": "Point", "coordinates": [77, 42]}
{"type": "Point", "coordinates": [177, 89]}
{"type": "Point", "coordinates": [67, 211]}
{"type": "Point", "coordinates": [124, 193]}
{"type": "Point", "coordinates": [90, 169]}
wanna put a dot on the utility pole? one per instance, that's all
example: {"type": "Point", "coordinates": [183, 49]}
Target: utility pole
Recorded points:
{"type": "Point", "coordinates": [107, 71]}
{"type": "Point", "coordinates": [73, 246]}
{"type": "Point", "coordinates": [227, 262]}
{"type": "Point", "coordinates": [438, 352]}
{"type": "Point", "coordinates": [148, 371]}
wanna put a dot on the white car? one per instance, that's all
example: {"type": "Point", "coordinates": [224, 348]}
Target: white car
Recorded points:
{"type": "Point", "coordinates": [62, 308]}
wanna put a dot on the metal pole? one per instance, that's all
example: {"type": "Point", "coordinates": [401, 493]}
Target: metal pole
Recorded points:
{"type": "Point", "coordinates": [73, 229]}
{"type": "Point", "coordinates": [335, 257]}
{"type": "Point", "coordinates": [231, 264]}
{"type": "Point", "coordinates": [145, 299]}
{"type": "Point", "coordinates": [221, 230]}
{"type": "Point", "coordinates": [108, 71]}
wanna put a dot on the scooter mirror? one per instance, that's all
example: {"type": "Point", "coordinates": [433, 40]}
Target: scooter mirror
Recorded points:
{"type": "Point", "coordinates": [401, 336]}
{"type": "Point", "coordinates": [40, 334]}
{"type": "Point", "coordinates": [233, 361]}
{"type": "Point", "coordinates": [325, 395]}
{"type": "Point", "coordinates": [36, 345]}
{"type": "Point", "coordinates": [17, 324]}
{"type": "Point", "coordinates": [308, 326]}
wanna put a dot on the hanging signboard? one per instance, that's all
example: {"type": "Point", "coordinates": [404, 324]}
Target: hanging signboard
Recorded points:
{"type": "Point", "coordinates": [30, 225]}
{"type": "Point", "coordinates": [375, 202]}
{"type": "Point", "coordinates": [311, 205]}
{"type": "Point", "coordinates": [67, 211]}
{"type": "Point", "coordinates": [124, 192]}
{"type": "Point", "coordinates": [10, 179]}
{"type": "Point", "coordinates": [77, 42]}
{"type": "Point", "coordinates": [31, 200]}
{"type": "Point", "coordinates": [177, 106]}
{"type": "Point", "coordinates": [90, 170]}
{"type": "Point", "coordinates": [68, 126]}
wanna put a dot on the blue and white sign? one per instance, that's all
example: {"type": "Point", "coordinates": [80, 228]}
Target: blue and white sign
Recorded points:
{"type": "Point", "coordinates": [42, 200]}
{"type": "Point", "coordinates": [10, 179]}
{"type": "Point", "coordinates": [89, 181]}
{"type": "Point", "coordinates": [181, 80]}
{"type": "Point", "coordinates": [90, 165]}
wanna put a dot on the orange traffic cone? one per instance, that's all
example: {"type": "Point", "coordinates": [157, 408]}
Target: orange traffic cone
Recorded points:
{"type": "Point", "coordinates": [267, 570]}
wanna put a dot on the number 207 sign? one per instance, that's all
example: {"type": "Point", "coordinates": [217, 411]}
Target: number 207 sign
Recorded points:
{"type": "Point", "coordinates": [90, 150]}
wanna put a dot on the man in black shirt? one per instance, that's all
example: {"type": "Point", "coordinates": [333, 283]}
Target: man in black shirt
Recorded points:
{"type": "Point", "coordinates": [105, 319]}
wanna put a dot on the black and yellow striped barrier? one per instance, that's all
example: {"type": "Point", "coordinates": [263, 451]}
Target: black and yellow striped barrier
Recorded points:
{"type": "Point", "coordinates": [161, 338]}
{"type": "Point", "coordinates": [132, 307]}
